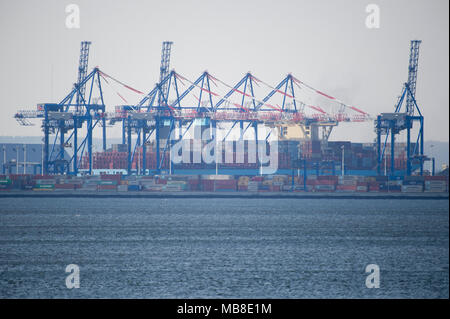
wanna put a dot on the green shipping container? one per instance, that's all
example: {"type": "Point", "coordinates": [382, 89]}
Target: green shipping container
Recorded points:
{"type": "Point", "coordinates": [108, 182]}
{"type": "Point", "coordinates": [45, 186]}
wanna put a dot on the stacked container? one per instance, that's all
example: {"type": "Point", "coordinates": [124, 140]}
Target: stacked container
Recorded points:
{"type": "Point", "coordinates": [243, 183]}
{"type": "Point", "coordinates": [325, 183]}
{"type": "Point", "coordinates": [347, 183]}
{"type": "Point", "coordinates": [45, 183]}
{"type": "Point", "coordinates": [253, 186]}
{"type": "Point", "coordinates": [5, 183]}
{"type": "Point", "coordinates": [436, 184]}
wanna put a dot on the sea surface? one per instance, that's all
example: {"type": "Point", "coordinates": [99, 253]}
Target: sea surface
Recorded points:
{"type": "Point", "coordinates": [223, 248]}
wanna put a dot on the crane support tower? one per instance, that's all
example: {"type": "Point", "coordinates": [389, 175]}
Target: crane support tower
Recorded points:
{"type": "Point", "coordinates": [139, 123]}
{"type": "Point", "coordinates": [82, 69]}
{"type": "Point", "coordinates": [394, 123]}
{"type": "Point", "coordinates": [164, 68]}
{"type": "Point", "coordinates": [412, 75]}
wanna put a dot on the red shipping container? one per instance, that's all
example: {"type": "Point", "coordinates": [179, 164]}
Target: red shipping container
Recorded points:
{"type": "Point", "coordinates": [361, 184]}
{"type": "Point", "coordinates": [243, 188]}
{"type": "Point", "coordinates": [107, 177]}
{"type": "Point", "coordinates": [64, 186]}
{"type": "Point", "coordinates": [193, 185]}
{"type": "Point", "coordinates": [374, 187]}
{"type": "Point", "coordinates": [230, 182]}
{"type": "Point", "coordinates": [323, 182]}
{"type": "Point", "coordinates": [346, 187]}
{"type": "Point", "coordinates": [436, 178]}
{"type": "Point", "coordinates": [275, 188]}
{"type": "Point", "coordinates": [111, 187]}
{"type": "Point", "coordinates": [207, 185]}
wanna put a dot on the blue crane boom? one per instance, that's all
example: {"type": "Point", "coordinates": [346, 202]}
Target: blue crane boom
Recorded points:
{"type": "Point", "coordinates": [164, 69]}
{"type": "Point", "coordinates": [412, 75]}
{"type": "Point", "coordinates": [82, 70]}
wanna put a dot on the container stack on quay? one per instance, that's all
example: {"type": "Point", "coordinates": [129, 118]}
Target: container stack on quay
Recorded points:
{"type": "Point", "coordinates": [5, 183]}
{"type": "Point", "coordinates": [253, 186]}
{"type": "Point", "coordinates": [90, 184]}
{"type": "Point", "coordinates": [436, 184]}
{"type": "Point", "coordinates": [45, 183]}
{"type": "Point", "coordinates": [218, 183]}
{"type": "Point", "coordinates": [243, 183]}
{"type": "Point", "coordinates": [412, 184]}
{"type": "Point", "coordinates": [325, 183]}
{"type": "Point", "coordinates": [224, 183]}
{"type": "Point", "coordinates": [347, 183]}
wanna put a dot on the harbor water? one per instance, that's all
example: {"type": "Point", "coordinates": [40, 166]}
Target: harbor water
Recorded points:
{"type": "Point", "coordinates": [223, 248]}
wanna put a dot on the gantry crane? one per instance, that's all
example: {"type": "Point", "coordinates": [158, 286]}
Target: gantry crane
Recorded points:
{"type": "Point", "coordinates": [141, 124]}
{"type": "Point", "coordinates": [69, 115]}
{"type": "Point", "coordinates": [394, 123]}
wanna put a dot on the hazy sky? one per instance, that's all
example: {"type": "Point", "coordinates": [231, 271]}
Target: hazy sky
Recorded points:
{"type": "Point", "coordinates": [324, 43]}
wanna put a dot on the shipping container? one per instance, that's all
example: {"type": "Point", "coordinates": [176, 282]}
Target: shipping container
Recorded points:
{"type": "Point", "coordinates": [65, 186]}
{"type": "Point", "coordinates": [412, 188]}
{"type": "Point", "coordinates": [107, 187]}
{"type": "Point", "coordinates": [133, 188]}
{"type": "Point", "coordinates": [345, 188]}
{"type": "Point", "coordinates": [242, 188]}
{"type": "Point", "coordinates": [325, 188]}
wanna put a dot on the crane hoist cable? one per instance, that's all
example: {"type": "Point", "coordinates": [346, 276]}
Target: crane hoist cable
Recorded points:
{"type": "Point", "coordinates": [104, 76]}
{"type": "Point", "coordinates": [123, 84]}
{"type": "Point", "coordinates": [298, 82]}
{"type": "Point", "coordinates": [279, 91]}
{"type": "Point", "coordinates": [106, 81]}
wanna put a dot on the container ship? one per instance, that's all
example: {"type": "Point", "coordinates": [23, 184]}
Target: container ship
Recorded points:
{"type": "Point", "coordinates": [320, 159]}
